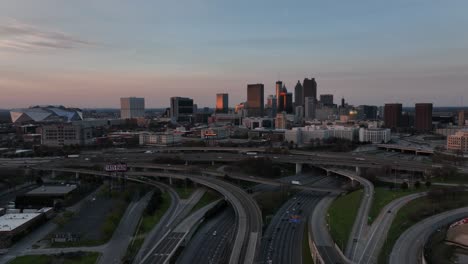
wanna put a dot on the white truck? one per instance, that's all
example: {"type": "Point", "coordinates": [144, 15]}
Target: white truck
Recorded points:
{"type": "Point", "coordinates": [296, 182]}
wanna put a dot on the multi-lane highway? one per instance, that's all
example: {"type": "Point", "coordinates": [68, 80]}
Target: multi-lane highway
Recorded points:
{"type": "Point", "coordinates": [375, 238]}
{"type": "Point", "coordinates": [359, 230]}
{"type": "Point", "coordinates": [319, 230]}
{"type": "Point", "coordinates": [163, 225]}
{"type": "Point", "coordinates": [249, 219]}
{"type": "Point", "coordinates": [409, 247]}
{"type": "Point", "coordinates": [212, 242]}
{"type": "Point", "coordinates": [282, 242]}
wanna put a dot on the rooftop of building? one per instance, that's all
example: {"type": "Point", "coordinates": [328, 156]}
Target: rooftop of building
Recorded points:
{"type": "Point", "coordinates": [10, 222]}
{"type": "Point", "coordinates": [52, 190]}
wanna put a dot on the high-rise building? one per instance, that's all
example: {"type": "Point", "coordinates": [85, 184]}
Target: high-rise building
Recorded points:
{"type": "Point", "coordinates": [310, 88]}
{"type": "Point", "coordinates": [255, 99]}
{"type": "Point", "coordinates": [222, 103]}
{"type": "Point", "coordinates": [278, 90]}
{"type": "Point", "coordinates": [309, 108]}
{"type": "Point", "coordinates": [423, 117]}
{"type": "Point", "coordinates": [326, 99]}
{"type": "Point", "coordinates": [288, 103]}
{"type": "Point", "coordinates": [299, 94]}
{"type": "Point", "coordinates": [281, 121]}
{"type": "Point", "coordinates": [462, 117]}
{"type": "Point", "coordinates": [271, 101]}
{"type": "Point", "coordinates": [132, 107]}
{"type": "Point", "coordinates": [392, 116]}
{"type": "Point", "coordinates": [458, 142]}
{"type": "Point", "coordinates": [367, 112]}
{"type": "Point", "coordinates": [182, 109]}
{"type": "Point", "coordinates": [281, 102]}
{"type": "Point", "coordinates": [271, 105]}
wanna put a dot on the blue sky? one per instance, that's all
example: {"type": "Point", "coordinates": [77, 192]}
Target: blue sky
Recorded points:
{"type": "Point", "coordinates": [89, 53]}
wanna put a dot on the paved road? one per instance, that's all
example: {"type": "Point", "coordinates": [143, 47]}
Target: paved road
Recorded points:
{"type": "Point", "coordinates": [360, 227]}
{"type": "Point", "coordinates": [369, 252]}
{"type": "Point", "coordinates": [249, 228]}
{"type": "Point", "coordinates": [361, 160]}
{"type": "Point", "coordinates": [205, 247]}
{"type": "Point", "coordinates": [148, 252]}
{"type": "Point", "coordinates": [282, 242]}
{"type": "Point", "coordinates": [165, 248]}
{"type": "Point", "coordinates": [162, 227]}
{"type": "Point", "coordinates": [117, 246]}
{"type": "Point", "coordinates": [319, 230]}
{"type": "Point", "coordinates": [408, 248]}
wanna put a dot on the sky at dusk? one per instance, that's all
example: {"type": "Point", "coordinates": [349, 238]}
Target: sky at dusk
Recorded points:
{"type": "Point", "coordinates": [89, 53]}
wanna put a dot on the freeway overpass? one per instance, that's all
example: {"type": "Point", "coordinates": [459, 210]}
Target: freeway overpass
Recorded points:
{"type": "Point", "coordinates": [405, 149]}
{"type": "Point", "coordinates": [249, 217]}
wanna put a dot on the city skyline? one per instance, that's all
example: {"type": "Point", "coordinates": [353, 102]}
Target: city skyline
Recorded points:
{"type": "Point", "coordinates": [369, 53]}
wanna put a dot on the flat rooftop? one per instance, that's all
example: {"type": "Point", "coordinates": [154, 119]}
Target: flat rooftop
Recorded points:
{"type": "Point", "coordinates": [52, 190]}
{"type": "Point", "coordinates": [10, 222]}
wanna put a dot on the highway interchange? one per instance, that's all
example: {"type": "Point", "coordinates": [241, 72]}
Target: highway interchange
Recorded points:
{"type": "Point", "coordinates": [281, 242]}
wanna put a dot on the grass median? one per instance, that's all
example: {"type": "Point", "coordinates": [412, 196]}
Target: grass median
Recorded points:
{"type": "Point", "coordinates": [208, 197]}
{"type": "Point", "coordinates": [341, 216]}
{"type": "Point", "coordinates": [147, 222]}
{"type": "Point", "coordinates": [384, 196]}
{"type": "Point", "coordinates": [184, 192]}
{"type": "Point", "coordinates": [418, 210]}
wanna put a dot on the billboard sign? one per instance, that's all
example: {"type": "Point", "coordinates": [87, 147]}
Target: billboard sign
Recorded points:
{"type": "Point", "coordinates": [119, 167]}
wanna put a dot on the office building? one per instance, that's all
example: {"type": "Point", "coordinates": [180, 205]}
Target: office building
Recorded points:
{"type": "Point", "coordinates": [393, 116]}
{"type": "Point", "coordinates": [258, 122]}
{"type": "Point", "coordinates": [159, 139]}
{"type": "Point", "coordinates": [299, 114]}
{"type": "Point", "coordinates": [278, 90]}
{"type": "Point", "coordinates": [255, 99]}
{"type": "Point", "coordinates": [375, 135]}
{"type": "Point", "coordinates": [310, 88]}
{"type": "Point", "coordinates": [298, 94]}
{"type": "Point", "coordinates": [463, 118]}
{"type": "Point", "coordinates": [423, 117]}
{"type": "Point", "coordinates": [309, 108]}
{"type": "Point", "coordinates": [222, 103]}
{"type": "Point", "coordinates": [271, 105]}
{"type": "Point", "coordinates": [214, 133]}
{"type": "Point", "coordinates": [326, 113]}
{"type": "Point", "coordinates": [271, 101]}
{"type": "Point", "coordinates": [458, 142]}
{"type": "Point", "coordinates": [326, 99]}
{"type": "Point", "coordinates": [65, 134]}
{"type": "Point", "coordinates": [281, 121]}
{"type": "Point", "coordinates": [288, 103]}
{"type": "Point", "coordinates": [132, 107]}
{"type": "Point", "coordinates": [367, 112]}
{"type": "Point", "coordinates": [182, 109]}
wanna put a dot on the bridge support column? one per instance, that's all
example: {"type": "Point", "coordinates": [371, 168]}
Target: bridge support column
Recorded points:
{"type": "Point", "coordinates": [298, 168]}
{"type": "Point", "coordinates": [212, 163]}
{"type": "Point", "coordinates": [170, 180]}
{"type": "Point", "coordinates": [328, 173]}
{"type": "Point", "coordinates": [77, 176]}
{"type": "Point", "coordinates": [358, 171]}
{"type": "Point", "coordinates": [53, 174]}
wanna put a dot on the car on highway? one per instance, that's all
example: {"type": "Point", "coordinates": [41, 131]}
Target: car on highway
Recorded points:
{"type": "Point", "coordinates": [214, 233]}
